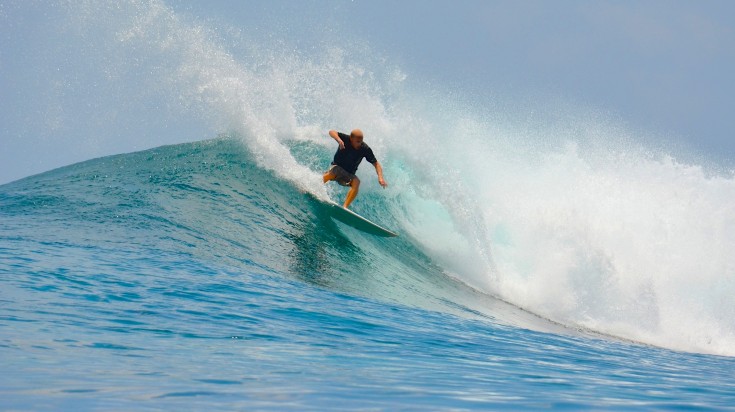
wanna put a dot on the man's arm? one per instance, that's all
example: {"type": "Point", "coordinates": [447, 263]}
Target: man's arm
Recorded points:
{"type": "Point", "coordinates": [334, 135]}
{"type": "Point", "coordinates": [379, 171]}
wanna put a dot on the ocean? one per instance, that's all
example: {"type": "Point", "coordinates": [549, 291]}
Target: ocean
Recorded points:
{"type": "Point", "coordinates": [558, 265]}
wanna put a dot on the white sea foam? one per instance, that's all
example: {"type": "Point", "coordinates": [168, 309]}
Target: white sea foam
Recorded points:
{"type": "Point", "coordinates": [590, 229]}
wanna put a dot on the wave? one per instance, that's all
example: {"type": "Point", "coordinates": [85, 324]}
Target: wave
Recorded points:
{"type": "Point", "coordinates": [210, 200]}
{"type": "Point", "coordinates": [570, 217]}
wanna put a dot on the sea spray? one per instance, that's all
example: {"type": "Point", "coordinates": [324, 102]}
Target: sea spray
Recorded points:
{"type": "Point", "coordinates": [617, 240]}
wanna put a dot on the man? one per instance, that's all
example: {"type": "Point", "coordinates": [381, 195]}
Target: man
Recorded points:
{"type": "Point", "coordinates": [350, 153]}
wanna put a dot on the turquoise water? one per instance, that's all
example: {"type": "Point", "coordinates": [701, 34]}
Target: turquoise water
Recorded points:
{"type": "Point", "coordinates": [186, 277]}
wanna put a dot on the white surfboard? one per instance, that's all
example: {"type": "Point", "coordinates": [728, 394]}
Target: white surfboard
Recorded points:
{"type": "Point", "coordinates": [352, 219]}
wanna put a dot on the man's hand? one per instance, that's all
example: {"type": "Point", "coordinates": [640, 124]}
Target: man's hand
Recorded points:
{"type": "Point", "coordinates": [383, 182]}
{"type": "Point", "coordinates": [341, 145]}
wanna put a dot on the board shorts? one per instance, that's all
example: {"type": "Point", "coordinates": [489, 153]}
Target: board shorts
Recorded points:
{"type": "Point", "coordinates": [342, 176]}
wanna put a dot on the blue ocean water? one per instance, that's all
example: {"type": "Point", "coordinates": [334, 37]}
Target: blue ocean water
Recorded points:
{"type": "Point", "coordinates": [543, 261]}
{"type": "Point", "coordinates": [185, 277]}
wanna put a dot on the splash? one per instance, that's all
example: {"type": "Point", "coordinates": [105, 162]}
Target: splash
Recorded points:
{"type": "Point", "coordinates": [267, 93]}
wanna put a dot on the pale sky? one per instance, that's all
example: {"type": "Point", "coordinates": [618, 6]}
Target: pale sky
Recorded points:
{"type": "Point", "coordinates": [665, 67]}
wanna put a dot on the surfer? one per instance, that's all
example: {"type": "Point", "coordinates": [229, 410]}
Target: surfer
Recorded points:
{"type": "Point", "coordinates": [350, 153]}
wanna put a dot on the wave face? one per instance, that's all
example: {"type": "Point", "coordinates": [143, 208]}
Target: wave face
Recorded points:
{"type": "Point", "coordinates": [570, 219]}
{"type": "Point", "coordinates": [209, 200]}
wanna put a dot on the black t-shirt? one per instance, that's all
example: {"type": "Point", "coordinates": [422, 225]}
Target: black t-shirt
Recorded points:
{"type": "Point", "coordinates": [349, 158]}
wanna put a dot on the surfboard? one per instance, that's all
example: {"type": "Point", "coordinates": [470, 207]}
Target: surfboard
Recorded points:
{"type": "Point", "coordinates": [360, 223]}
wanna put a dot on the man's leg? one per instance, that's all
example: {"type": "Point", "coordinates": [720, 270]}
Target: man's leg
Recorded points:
{"type": "Point", "coordinates": [328, 176]}
{"type": "Point", "coordinates": [354, 188]}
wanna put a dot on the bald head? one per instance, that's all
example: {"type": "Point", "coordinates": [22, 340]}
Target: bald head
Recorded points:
{"type": "Point", "coordinates": [356, 137]}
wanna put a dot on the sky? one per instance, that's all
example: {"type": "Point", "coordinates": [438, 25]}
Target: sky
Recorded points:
{"type": "Point", "coordinates": [664, 67]}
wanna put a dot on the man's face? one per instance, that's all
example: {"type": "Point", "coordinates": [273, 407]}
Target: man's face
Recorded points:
{"type": "Point", "coordinates": [356, 140]}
